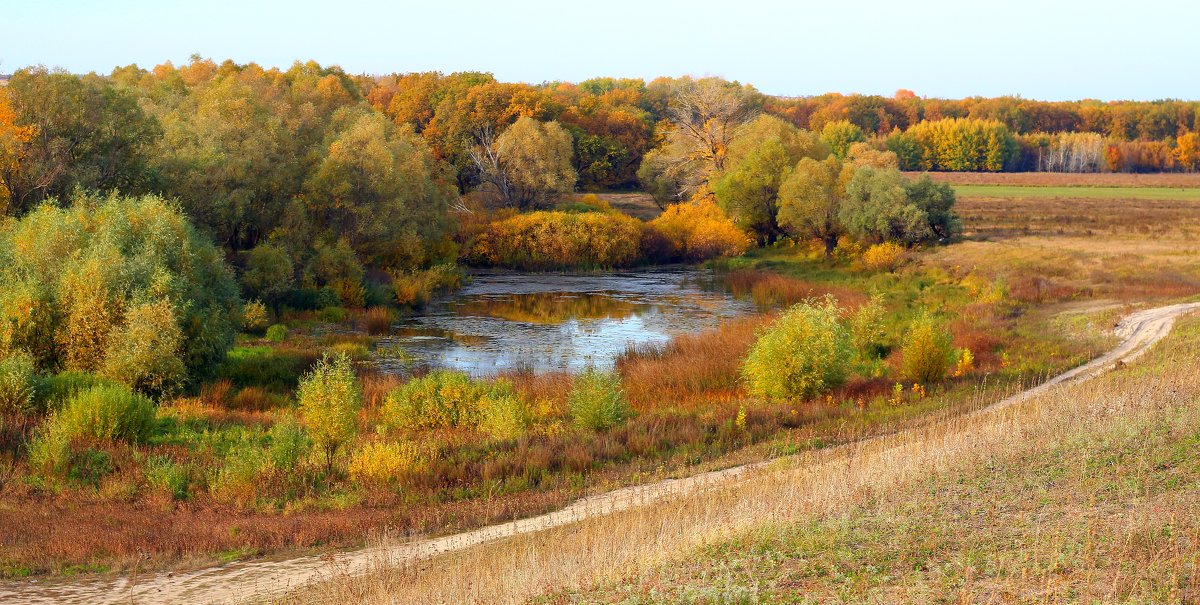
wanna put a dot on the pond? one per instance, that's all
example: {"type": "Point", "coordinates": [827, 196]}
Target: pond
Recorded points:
{"type": "Point", "coordinates": [551, 321]}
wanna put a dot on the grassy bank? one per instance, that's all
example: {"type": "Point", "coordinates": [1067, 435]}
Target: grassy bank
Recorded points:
{"type": "Point", "coordinates": [1085, 494]}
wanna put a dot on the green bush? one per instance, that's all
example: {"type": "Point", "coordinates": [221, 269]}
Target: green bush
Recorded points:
{"type": "Point", "coordinates": [597, 402]}
{"type": "Point", "coordinates": [17, 384]}
{"type": "Point", "coordinates": [80, 285]}
{"type": "Point", "coordinates": [290, 444]}
{"type": "Point", "coordinates": [255, 317]}
{"type": "Point", "coordinates": [105, 413]}
{"type": "Point", "coordinates": [504, 413]}
{"type": "Point", "coordinates": [55, 390]}
{"type": "Point", "coordinates": [928, 350]}
{"type": "Point", "coordinates": [807, 351]}
{"type": "Point", "coordinates": [440, 399]}
{"type": "Point", "coordinates": [866, 329]}
{"type": "Point", "coordinates": [277, 333]}
{"type": "Point", "coordinates": [330, 398]}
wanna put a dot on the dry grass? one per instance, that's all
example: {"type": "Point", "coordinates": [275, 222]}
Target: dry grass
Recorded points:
{"type": "Point", "coordinates": [1149, 555]}
{"type": "Point", "coordinates": [692, 368]}
{"type": "Point", "coordinates": [1063, 179]}
{"type": "Point", "coordinates": [769, 289]}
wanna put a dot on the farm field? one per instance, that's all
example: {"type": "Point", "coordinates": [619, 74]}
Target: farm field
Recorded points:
{"type": "Point", "coordinates": [1178, 180]}
{"type": "Point", "coordinates": [1079, 191]}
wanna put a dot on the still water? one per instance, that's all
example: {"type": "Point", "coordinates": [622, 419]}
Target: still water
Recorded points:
{"type": "Point", "coordinates": [543, 322]}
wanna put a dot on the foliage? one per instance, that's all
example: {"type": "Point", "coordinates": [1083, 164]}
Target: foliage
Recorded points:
{"type": "Point", "coordinates": [382, 463]}
{"type": "Point", "coordinates": [527, 164]}
{"type": "Point", "coordinates": [936, 200]}
{"type": "Point", "coordinates": [330, 397]}
{"type": "Point", "coordinates": [840, 136]}
{"type": "Point", "coordinates": [18, 384]}
{"type": "Point", "coordinates": [255, 316]}
{"type": "Point", "coordinates": [963, 145]}
{"type": "Point", "coordinates": [596, 401]}
{"type": "Point", "coordinates": [867, 329]}
{"type": "Point", "coordinates": [290, 443]}
{"type": "Point", "coordinates": [547, 240]}
{"type": "Point", "coordinates": [811, 197]}
{"type": "Point", "coordinates": [277, 333]}
{"type": "Point", "coordinates": [105, 413]}
{"type": "Point", "coordinates": [449, 399]}
{"type": "Point", "coordinates": [805, 352]}
{"type": "Point", "coordinates": [696, 231]}
{"type": "Point", "coordinates": [877, 209]}
{"type": "Point", "coordinates": [268, 273]}
{"type": "Point", "coordinates": [927, 349]}
{"type": "Point", "coordinates": [415, 288]}
{"type": "Point", "coordinates": [83, 288]}
{"type": "Point", "coordinates": [883, 257]}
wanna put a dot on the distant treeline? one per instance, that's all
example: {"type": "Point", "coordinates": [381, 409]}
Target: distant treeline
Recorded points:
{"type": "Point", "coordinates": [333, 170]}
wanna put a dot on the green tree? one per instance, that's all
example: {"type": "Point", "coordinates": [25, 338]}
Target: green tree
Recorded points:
{"type": "Point", "coordinates": [877, 208]}
{"type": "Point", "coordinates": [936, 200]}
{"type": "Point", "coordinates": [748, 192]}
{"type": "Point", "coordinates": [330, 398]}
{"type": "Point", "coordinates": [811, 198]}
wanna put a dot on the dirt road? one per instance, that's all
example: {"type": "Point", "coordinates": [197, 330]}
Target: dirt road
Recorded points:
{"type": "Point", "coordinates": [262, 578]}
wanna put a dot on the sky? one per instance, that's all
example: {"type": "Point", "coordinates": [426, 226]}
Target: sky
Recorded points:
{"type": "Point", "coordinates": [1038, 49]}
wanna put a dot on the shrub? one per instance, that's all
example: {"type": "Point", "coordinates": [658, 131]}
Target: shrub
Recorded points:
{"type": "Point", "coordinates": [144, 353]}
{"type": "Point", "coordinates": [382, 463]}
{"type": "Point", "coordinates": [78, 285]}
{"type": "Point", "coordinates": [928, 351]}
{"type": "Point", "coordinates": [440, 399]}
{"type": "Point", "coordinates": [240, 478]}
{"type": "Point", "coordinates": [277, 333]}
{"type": "Point", "coordinates": [866, 329]}
{"type": "Point", "coordinates": [696, 231]}
{"type": "Point", "coordinates": [17, 384]}
{"type": "Point", "coordinates": [330, 398]}
{"type": "Point", "coordinates": [55, 390]}
{"type": "Point", "coordinates": [504, 413]}
{"type": "Point", "coordinates": [106, 413]}
{"type": "Point", "coordinates": [883, 257]}
{"type": "Point", "coordinates": [804, 353]}
{"type": "Point", "coordinates": [415, 288]}
{"type": "Point", "coordinates": [333, 315]}
{"type": "Point", "coordinates": [597, 402]}
{"type": "Point", "coordinates": [290, 444]}
{"type": "Point", "coordinates": [255, 317]}
{"type": "Point", "coordinates": [550, 240]}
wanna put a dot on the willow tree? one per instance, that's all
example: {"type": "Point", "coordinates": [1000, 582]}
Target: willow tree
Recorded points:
{"type": "Point", "coordinates": [529, 163]}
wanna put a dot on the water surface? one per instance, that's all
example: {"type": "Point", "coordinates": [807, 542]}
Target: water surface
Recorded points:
{"type": "Point", "coordinates": [552, 321]}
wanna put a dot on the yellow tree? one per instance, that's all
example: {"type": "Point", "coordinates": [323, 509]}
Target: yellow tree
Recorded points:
{"type": "Point", "coordinates": [13, 139]}
{"type": "Point", "coordinates": [1187, 151]}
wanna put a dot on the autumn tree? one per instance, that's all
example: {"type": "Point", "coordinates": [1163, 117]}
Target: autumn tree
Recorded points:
{"type": "Point", "coordinates": [13, 141]}
{"type": "Point", "coordinates": [840, 135]}
{"type": "Point", "coordinates": [527, 164]}
{"type": "Point", "coordinates": [811, 198]}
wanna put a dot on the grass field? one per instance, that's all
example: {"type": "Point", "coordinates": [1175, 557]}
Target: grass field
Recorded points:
{"type": "Point", "coordinates": [1112, 193]}
{"type": "Point", "coordinates": [1067, 179]}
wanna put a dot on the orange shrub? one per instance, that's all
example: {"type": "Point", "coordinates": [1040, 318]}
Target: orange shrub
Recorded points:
{"type": "Point", "coordinates": [548, 240]}
{"type": "Point", "coordinates": [697, 230]}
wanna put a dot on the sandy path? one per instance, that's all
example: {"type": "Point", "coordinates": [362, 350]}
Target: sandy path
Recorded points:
{"type": "Point", "coordinates": [262, 578]}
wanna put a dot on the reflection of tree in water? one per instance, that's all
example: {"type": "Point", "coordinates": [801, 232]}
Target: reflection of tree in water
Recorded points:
{"type": "Point", "coordinates": [550, 307]}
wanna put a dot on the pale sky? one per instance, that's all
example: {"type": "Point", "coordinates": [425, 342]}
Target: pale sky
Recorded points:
{"type": "Point", "coordinates": [1040, 49]}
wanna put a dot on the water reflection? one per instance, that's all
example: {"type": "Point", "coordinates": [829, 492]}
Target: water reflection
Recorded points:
{"type": "Point", "coordinates": [554, 321]}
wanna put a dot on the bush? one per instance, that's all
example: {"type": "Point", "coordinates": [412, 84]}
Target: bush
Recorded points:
{"type": "Point", "coordinates": [440, 399]}
{"type": "Point", "coordinates": [887, 256]}
{"type": "Point", "coordinates": [277, 333]}
{"type": "Point", "coordinates": [381, 463]}
{"type": "Point", "coordinates": [504, 413]}
{"type": "Point", "coordinates": [269, 272]}
{"type": "Point", "coordinates": [17, 384]}
{"type": "Point", "coordinates": [290, 444]}
{"type": "Point", "coordinates": [330, 398]}
{"type": "Point", "coordinates": [866, 329]}
{"type": "Point", "coordinates": [551, 240]}
{"type": "Point", "coordinates": [807, 351]}
{"type": "Point", "coordinates": [255, 317]}
{"type": "Point", "coordinates": [105, 413]}
{"type": "Point", "coordinates": [80, 285]}
{"type": "Point", "coordinates": [55, 390]}
{"type": "Point", "coordinates": [143, 353]}
{"type": "Point", "coordinates": [240, 479]}
{"type": "Point", "coordinates": [597, 402]}
{"type": "Point", "coordinates": [928, 350]}
{"type": "Point", "coordinates": [415, 288]}
{"type": "Point", "coordinates": [697, 231]}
